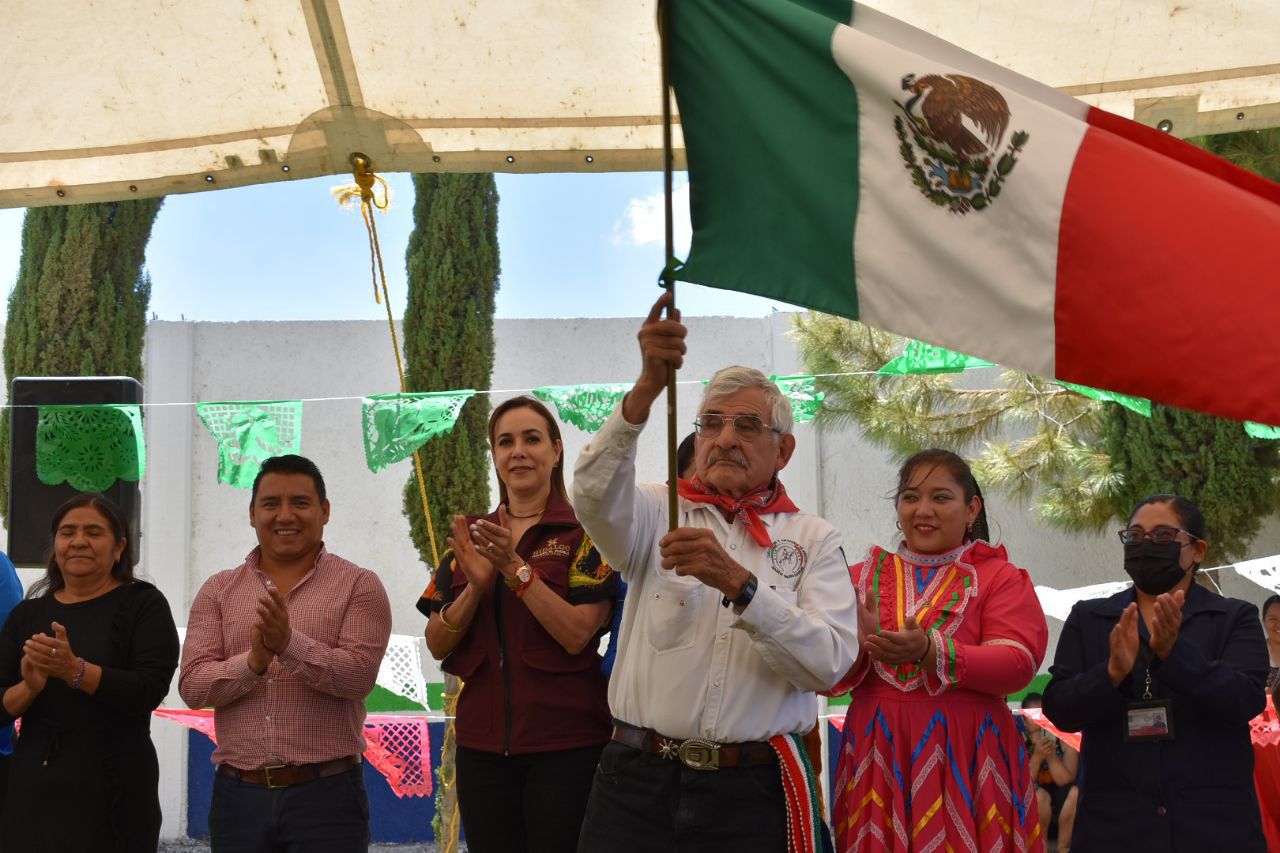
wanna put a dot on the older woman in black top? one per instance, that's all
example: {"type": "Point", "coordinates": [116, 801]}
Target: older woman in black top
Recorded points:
{"type": "Point", "coordinates": [87, 657]}
{"type": "Point", "coordinates": [1163, 680]}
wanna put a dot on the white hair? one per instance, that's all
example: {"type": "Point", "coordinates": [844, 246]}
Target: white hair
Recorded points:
{"type": "Point", "coordinates": [731, 380]}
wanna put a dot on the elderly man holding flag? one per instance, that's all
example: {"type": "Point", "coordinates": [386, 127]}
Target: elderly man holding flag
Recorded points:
{"type": "Point", "coordinates": [736, 615]}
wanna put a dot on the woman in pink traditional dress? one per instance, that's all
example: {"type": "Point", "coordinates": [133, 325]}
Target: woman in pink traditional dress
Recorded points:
{"type": "Point", "coordinates": [931, 758]}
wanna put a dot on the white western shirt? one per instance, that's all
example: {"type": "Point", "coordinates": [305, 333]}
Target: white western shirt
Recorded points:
{"type": "Point", "coordinates": [686, 665]}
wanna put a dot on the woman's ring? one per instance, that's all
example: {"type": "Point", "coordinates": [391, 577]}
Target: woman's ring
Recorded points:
{"type": "Point", "coordinates": [53, 651]}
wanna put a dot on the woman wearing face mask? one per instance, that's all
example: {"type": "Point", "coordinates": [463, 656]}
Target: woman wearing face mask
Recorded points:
{"type": "Point", "coordinates": [1162, 680]}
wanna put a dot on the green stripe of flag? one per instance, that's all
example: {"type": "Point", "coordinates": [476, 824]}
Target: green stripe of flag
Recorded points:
{"type": "Point", "coordinates": [771, 127]}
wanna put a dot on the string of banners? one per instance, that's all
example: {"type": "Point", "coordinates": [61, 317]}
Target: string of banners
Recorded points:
{"type": "Point", "coordinates": [92, 446]}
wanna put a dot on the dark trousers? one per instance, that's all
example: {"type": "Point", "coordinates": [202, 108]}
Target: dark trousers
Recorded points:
{"type": "Point", "coordinates": [643, 802]}
{"type": "Point", "coordinates": [328, 815]}
{"type": "Point", "coordinates": [532, 802]}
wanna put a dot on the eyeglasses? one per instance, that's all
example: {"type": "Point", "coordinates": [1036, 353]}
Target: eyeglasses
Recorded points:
{"type": "Point", "coordinates": [746, 427]}
{"type": "Point", "coordinates": [1158, 535]}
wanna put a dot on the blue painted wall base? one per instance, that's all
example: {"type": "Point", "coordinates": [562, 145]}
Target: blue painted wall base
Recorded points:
{"type": "Point", "coordinates": [394, 820]}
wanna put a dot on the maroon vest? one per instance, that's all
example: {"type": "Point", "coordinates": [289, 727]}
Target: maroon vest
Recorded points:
{"type": "Point", "coordinates": [523, 692]}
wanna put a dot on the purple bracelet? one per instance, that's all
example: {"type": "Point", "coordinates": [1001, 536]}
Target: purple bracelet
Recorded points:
{"type": "Point", "coordinates": [79, 679]}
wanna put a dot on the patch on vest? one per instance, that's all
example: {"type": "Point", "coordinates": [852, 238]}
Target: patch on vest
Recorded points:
{"type": "Point", "coordinates": [787, 558]}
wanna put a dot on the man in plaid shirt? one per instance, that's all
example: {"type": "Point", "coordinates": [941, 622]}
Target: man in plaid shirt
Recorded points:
{"type": "Point", "coordinates": [286, 647]}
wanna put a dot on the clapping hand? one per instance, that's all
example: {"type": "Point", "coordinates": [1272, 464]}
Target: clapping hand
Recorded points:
{"type": "Point", "coordinates": [898, 647]}
{"type": "Point", "coordinates": [495, 543]}
{"type": "Point", "coordinates": [868, 619]}
{"type": "Point", "coordinates": [1166, 622]}
{"type": "Point", "coordinates": [273, 621]}
{"type": "Point", "coordinates": [52, 656]}
{"type": "Point", "coordinates": [475, 568]}
{"type": "Point", "coordinates": [1124, 645]}
{"type": "Point", "coordinates": [34, 677]}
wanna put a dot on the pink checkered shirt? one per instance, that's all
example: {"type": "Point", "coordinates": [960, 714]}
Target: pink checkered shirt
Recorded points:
{"type": "Point", "coordinates": [309, 705]}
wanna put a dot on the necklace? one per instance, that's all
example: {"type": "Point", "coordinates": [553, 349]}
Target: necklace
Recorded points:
{"type": "Point", "coordinates": [511, 514]}
{"type": "Point", "coordinates": [928, 560]}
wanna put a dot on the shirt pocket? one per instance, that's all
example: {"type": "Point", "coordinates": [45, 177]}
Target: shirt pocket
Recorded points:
{"type": "Point", "coordinates": [671, 611]}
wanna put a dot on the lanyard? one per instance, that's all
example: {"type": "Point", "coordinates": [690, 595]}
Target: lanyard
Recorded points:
{"type": "Point", "coordinates": [1148, 655]}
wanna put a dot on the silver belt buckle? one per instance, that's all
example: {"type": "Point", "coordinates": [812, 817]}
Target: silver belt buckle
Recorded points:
{"type": "Point", "coordinates": [698, 754]}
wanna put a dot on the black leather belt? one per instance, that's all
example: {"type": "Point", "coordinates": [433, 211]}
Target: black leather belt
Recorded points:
{"type": "Point", "coordinates": [696, 753]}
{"type": "Point", "coordinates": [285, 775]}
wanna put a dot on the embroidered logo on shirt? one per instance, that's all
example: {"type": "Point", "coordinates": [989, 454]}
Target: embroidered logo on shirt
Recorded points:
{"type": "Point", "coordinates": [553, 548]}
{"type": "Point", "coordinates": [787, 558]}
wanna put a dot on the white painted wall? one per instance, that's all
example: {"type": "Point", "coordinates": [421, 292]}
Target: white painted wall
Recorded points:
{"type": "Point", "coordinates": [194, 527]}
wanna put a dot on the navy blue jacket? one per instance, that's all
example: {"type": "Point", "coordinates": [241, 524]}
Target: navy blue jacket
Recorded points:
{"type": "Point", "coordinates": [1196, 792]}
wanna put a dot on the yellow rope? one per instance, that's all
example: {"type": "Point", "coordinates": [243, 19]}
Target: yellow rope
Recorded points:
{"type": "Point", "coordinates": [363, 189]}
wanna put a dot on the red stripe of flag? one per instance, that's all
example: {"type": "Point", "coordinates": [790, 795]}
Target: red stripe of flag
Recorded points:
{"type": "Point", "coordinates": [1167, 282]}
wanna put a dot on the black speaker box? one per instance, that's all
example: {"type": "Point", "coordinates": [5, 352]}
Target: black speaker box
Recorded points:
{"type": "Point", "coordinates": [31, 502]}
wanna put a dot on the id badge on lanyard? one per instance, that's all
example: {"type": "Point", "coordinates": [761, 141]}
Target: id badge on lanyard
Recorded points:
{"type": "Point", "coordinates": [1148, 719]}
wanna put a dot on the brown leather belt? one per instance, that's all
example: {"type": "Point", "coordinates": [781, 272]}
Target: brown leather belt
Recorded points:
{"type": "Point", "coordinates": [695, 753]}
{"type": "Point", "coordinates": [284, 775]}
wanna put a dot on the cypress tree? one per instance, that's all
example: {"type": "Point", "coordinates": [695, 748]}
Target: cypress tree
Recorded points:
{"type": "Point", "coordinates": [1212, 461]}
{"type": "Point", "coordinates": [452, 261]}
{"type": "Point", "coordinates": [79, 306]}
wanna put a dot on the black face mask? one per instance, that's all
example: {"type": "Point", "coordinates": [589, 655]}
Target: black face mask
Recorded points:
{"type": "Point", "coordinates": [1154, 566]}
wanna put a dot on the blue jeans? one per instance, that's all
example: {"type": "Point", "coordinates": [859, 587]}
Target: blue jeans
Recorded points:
{"type": "Point", "coordinates": [328, 815]}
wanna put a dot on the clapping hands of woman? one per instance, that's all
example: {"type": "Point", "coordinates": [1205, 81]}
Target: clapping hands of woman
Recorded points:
{"type": "Point", "coordinates": [50, 656]}
{"type": "Point", "coordinates": [478, 570]}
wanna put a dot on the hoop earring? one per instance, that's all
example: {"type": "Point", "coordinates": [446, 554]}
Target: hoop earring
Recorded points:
{"type": "Point", "coordinates": [898, 524]}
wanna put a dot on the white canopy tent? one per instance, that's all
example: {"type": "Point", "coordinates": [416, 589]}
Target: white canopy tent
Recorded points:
{"type": "Point", "coordinates": [120, 99]}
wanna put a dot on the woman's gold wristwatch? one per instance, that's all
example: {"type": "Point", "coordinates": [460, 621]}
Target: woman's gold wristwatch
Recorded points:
{"type": "Point", "coordinates": [520, 579]}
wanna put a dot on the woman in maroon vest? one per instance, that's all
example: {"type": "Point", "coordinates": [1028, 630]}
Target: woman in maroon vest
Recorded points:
{"type": "Point", "coordinates": [516, 609]}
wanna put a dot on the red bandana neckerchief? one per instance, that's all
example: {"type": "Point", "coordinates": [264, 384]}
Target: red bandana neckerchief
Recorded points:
{"type": "Point", "coordinates": [771, 498]}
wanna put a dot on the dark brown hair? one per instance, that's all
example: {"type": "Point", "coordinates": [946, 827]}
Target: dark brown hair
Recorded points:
{"type": "Point", "coordinates": [123, 568]}
{"type": "Point", "coordinates": [289, 463]}
{"type": "Point", "coordinates": [935, 457]}
{"type": "Point", "coordinates": [553, 432]}
{"type": "Point", "coordinates": [1189, 515]}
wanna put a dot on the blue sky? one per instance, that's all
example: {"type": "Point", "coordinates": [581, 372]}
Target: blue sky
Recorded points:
{"type": "Point", "coordinates": [572, 245]}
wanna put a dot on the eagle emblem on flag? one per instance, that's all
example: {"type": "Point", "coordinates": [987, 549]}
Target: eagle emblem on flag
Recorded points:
{"type": "Point", "coordinates": [952, 133]}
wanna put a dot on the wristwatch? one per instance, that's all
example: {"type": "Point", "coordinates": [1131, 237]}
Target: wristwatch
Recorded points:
{"type": "Point", "coordinates": [744, 597]}
{"type": "Point", "coordinates": [519, 581]}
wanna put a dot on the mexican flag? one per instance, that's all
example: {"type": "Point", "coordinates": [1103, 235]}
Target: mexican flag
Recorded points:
{"type": "Point", "coordinates": [844, 161]}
